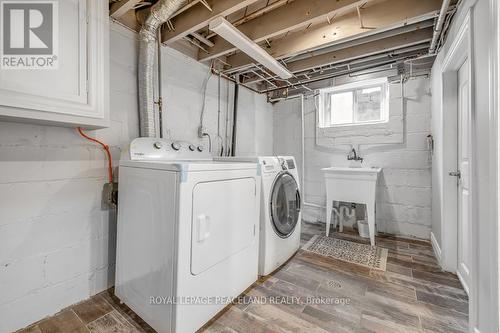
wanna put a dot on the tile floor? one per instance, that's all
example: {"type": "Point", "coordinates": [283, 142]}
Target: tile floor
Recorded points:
{"type": "Point", "coordinates": [413, 295]}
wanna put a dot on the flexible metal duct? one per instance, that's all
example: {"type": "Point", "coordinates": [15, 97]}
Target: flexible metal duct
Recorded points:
{"type": "Point", "coordinates": [160, 13]}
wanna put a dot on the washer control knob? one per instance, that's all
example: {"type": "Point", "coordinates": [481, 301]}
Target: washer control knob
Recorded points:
{"type": "Point", "coordinates": [192, 147]}
{"type": "Point", "coordinates": [200, 148]}
{"type": "Point", "coordinates": [158, 145]}
{"type": "Point", "coordinates": [176, 146]}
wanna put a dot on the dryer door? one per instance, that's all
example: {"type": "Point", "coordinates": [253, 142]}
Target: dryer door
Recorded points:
{"type": "Point", "coordinates": [284, 204]}
{"type": "Point", "coordinates": [225, 214]}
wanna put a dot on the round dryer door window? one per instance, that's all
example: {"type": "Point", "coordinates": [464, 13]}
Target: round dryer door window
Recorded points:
{"type": "Point", "coordinates": [285, 204]}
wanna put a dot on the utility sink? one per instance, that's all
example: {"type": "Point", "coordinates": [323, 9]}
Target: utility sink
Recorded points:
{"type": "Point", "coordinates": [352, 184]}
{"type": "Point", "coordinates": [352, 170]}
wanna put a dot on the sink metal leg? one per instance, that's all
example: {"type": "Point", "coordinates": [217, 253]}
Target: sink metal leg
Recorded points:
{"type": "Point", "coordinates": [328, 215]}
{"type": "Point", "coordinates": [370, 210]}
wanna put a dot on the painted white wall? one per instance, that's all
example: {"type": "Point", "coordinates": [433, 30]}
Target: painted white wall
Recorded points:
{"type": "Point", "coordinates": [183, 85]}
{"type": "Point", "coordinates": [484, 317]}
{"type": "Point", "coordinates": [183, 80]}
{"type": "Point", "coordinates": [57, 244]}
{"type": "Point", "coordinates": [404, 190]}
{"type": "Point", "coordinates": [254, 132]}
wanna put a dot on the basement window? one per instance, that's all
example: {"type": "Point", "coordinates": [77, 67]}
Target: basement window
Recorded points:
{"type": "Point", "coordinates": [358, 103]}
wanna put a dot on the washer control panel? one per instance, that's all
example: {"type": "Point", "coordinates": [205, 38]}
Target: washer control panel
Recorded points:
{"type": "Point", "coordinates": [286, 163]}
{"type": "Point", "coordinates": [166, 150]}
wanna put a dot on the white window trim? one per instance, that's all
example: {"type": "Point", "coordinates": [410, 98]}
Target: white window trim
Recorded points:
{"type": "Point", "coordinates": [351, 87]}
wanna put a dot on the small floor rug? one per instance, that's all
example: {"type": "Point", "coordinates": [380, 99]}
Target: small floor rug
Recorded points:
{"type": "Point", "coordinates": [356, 253]}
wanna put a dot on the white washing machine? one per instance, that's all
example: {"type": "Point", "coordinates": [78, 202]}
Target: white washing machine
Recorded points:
{"type": "Point", "coordinates": [187, 237]}
{"type": "Point", "coordinates": [280, 216]}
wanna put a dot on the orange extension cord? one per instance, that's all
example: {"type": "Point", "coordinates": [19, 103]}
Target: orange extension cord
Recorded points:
{"type": "Point", "coordinates": [106, 149]}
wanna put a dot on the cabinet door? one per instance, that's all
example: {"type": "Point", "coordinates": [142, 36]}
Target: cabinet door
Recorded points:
{"type": "Point", "coordinates": [76, 91]}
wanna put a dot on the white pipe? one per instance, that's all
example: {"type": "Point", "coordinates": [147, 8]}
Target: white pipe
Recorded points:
{"type": "Point", "coordinates": [303, 151]}
{"type": "Point", "coordinates": [439, 26]}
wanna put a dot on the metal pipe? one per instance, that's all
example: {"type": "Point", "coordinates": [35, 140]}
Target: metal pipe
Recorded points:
{"type": "Point", "coordinates": [340, 73]}
{"type": "Point", "coordinates": [160, 98]}
{"type": "Point", "coordinates": [216, 72]}
{"type": "Point", "coordinates": [235, 118]}
{"type": "Point", "coordinates": [303, 152]}
{"type": "Point", "coordinates": [439, 26]}
{"type": "Point", "coordinates": [227, 120]}
{"type": "Point", "coordinates": [159, 14]}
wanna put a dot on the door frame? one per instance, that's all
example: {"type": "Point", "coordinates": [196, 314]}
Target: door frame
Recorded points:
{"type": "Point", "coordinates": [461, 50]}
{"type": "Point", "coordinates": [494, 66]}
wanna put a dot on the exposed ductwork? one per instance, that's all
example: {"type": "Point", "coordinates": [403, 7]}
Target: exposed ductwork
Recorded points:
{"type": "Point", "coordinates": [160, 13]}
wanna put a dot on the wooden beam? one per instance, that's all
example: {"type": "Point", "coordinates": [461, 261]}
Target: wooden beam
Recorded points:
{"type": "Point", "coordinates": [378, 17]}
{"type": "Point", "coordinates": [118, 9]}
{"type": "Point", "coordinates": [198, 17]}
{"type": "Point", "coordinates": [202, 39]}
{"type": "Point", "coordinates": [366, 48]}
{"type": "Point", "coordinates": [293, 16]}
{"type": "Point", "coordinates": [407, 39]}
{"type": "Point", "coordinates": [129, 19]}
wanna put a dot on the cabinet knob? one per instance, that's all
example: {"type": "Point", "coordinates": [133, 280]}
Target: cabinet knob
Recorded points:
{"type": "Point", "coordinates": [158, 145]}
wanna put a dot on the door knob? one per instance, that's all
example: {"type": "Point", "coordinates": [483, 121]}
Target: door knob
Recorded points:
{"type": "Point", "coordinates": [457, 174]}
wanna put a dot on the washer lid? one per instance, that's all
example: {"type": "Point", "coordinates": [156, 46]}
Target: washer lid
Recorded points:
{"type": "Point", "coordinates": [268, 164]}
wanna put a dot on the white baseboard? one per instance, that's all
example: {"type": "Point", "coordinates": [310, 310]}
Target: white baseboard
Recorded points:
{"type": "Point", "coordinates": [436, 248]}
{"type": "Point", "coordinates": [462, 281]}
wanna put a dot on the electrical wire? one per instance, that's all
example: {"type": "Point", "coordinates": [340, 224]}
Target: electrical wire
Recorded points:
{"type": "Point", "coordinates": [106, 149]}
{"type": "Point", "coordinates": [227, 119]}
{"type": "Point", "coordinates": [218, 117]}
{"type": "Point", "coordinates": [204, 92]}
{"type": "Point", "coordinates": [209, 141]}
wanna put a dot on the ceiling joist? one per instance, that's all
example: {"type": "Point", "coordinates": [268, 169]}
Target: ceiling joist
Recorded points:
{"type": "Point", "coordinates": [379, 17]}
{"type": "Point", "coordinates": [198, 17]}
{"type": "Point", "coordinates": [297, 14]}
{"type": "Point", "coordinates": [384, 45]}
{"type": "Point", "coordinates": [120, 8]}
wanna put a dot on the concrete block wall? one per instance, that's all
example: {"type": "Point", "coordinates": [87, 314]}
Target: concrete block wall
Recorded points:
{"type": "Point", "coordinates": [183, 80]}
{"type": "Point", "coordinates": [254, 120]}
{"type": "Point", "coordinates": [404, 190]}
{"type": "Point", "coordinates": [57, 243]}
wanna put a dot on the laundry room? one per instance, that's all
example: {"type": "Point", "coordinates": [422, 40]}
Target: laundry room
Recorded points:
{"type": "Point", "coordinates": [180, 166]}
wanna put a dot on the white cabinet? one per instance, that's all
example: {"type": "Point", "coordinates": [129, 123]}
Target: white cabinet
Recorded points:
{"type": "Point", "coordinates": [76, 93]}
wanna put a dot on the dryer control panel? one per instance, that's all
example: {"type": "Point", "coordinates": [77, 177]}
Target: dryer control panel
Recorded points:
{"type": "Point", "coordinates": [166, 150]}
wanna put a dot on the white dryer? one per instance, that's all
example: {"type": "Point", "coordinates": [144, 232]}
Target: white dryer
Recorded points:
{"type": "Point", "coordinates": [280, 216]}
{"type": "Point", "coordinates": [187, 237]}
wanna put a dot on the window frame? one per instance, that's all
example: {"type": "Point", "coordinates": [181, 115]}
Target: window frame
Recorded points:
{"type": "Point", "coordinates": [325, 116]}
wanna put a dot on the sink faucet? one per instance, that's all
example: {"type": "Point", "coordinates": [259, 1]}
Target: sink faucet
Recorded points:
{"type": "Point", "coordinates": [353, 156]}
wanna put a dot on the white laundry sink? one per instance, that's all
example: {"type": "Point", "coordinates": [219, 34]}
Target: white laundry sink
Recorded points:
{"type": "Point", "coordinates": [342, 171]}
{"type": "Point", "coordinates": [352, 184]}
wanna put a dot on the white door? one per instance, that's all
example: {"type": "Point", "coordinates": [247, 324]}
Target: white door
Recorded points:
{"type": "Point", "coordinates": [464, 199]}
